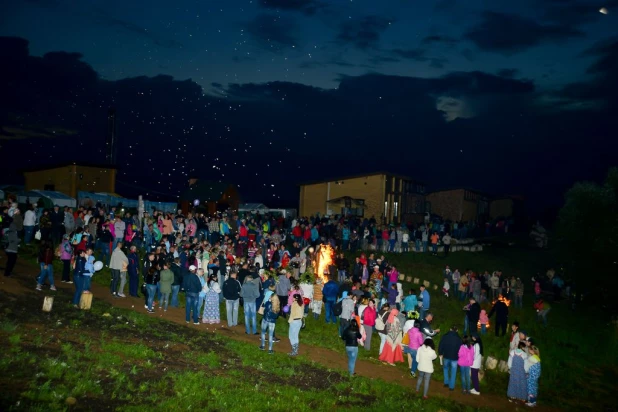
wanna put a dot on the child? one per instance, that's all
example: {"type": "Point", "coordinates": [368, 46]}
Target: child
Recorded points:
{"type": "Point", "coordinates": [446, 287]}
{"type": "Point", "coordinates": [484, 320]}
{"type": "Point", "coordinates": [88, 270]}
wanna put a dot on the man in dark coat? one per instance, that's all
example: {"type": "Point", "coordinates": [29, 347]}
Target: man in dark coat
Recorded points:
{"type": "Point", "coordinates": [472, 316]}
{"type": "Point", "coordinates": [502, 315]}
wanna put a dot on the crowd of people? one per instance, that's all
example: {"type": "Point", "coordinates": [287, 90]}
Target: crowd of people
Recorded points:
{"type": "Point", "coordinates": [265, 264]}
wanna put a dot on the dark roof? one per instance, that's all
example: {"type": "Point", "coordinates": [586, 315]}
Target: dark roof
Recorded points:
{"type": "Point", "coordinates": [205, 190]}
{"type": "Point", "coordinates": [478, 192]}
{"type": "Point", "coordinates": [66, 164]}
{"type": "Point", "coordinates": [360, 175]}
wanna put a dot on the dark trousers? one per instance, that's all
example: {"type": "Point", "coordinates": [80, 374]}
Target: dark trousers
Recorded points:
{"type": "Point", "coordinates": [115, 279]}
{"type": "Point", "coordinates": [133, 283]}
{"type": "Point", "coordinates": [66, 270]}
{"type": "Point", "coordinates": [501, 326]}
{"type": "Point", "coordinates": [11, 259]}
{"type": "Point", "coordinates": [283, 302]}
{"type": "Point", "coordinates": [474, 374]}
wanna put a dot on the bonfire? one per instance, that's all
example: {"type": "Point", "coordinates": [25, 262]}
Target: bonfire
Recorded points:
{"type": "Point", "coordinates": [322, 259]}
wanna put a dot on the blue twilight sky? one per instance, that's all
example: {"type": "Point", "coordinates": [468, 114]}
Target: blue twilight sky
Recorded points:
{"type": "Point", "coordinates": [512, 97]}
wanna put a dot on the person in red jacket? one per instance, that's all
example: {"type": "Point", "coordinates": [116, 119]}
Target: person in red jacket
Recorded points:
{"type": "Point", "coordinates": [46, 260]}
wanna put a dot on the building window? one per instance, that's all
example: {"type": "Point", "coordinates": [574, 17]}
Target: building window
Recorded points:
{"type": "Point", "coordinates": [396, 204]}
{"type": "Point", "coordinates": [389, 184]}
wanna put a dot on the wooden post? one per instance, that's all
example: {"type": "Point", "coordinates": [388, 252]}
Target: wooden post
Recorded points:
{"type": "Point", "coordinates": [417, 281]}
{"type": "Point", "coordinates": [48, 303]}
{"type": "Point", "coordinates": [85, 302]}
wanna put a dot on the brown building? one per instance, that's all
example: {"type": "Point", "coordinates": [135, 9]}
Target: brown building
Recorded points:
{"type": "Point", "coordinates": [71, 178]}
{"type": "Point", "coordinates": [506, 207]}
{"type": "Point", "coordinates": [211, 197]}
{"type": "Point", "coordinates": [459, 205]}
{"type": "Point", "coordinates": [385, 196]}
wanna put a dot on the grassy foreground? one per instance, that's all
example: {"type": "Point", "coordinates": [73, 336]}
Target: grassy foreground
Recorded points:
{"type": "Point", "coordinates": [116, 359]}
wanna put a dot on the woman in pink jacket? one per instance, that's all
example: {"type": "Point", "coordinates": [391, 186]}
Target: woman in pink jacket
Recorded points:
{"type": "Point", "coordinates": [416, 339]}
{"type": "Point", "coordinates": [465, 361]}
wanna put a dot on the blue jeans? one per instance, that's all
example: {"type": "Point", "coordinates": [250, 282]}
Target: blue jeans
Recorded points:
{"type": "Point", "coordinates": [450, 366]}
{"type": "Point", "coordinates": [434, 247]}
{"type": "Point", "coordinates": [46, 273]}
{"type": "Point", "coordinates": [483, 329]}
{"type": "Point", "coordinates": [417, 243]}
{"type": "Point", "coordinates": [412, 353]}
{"type": "Point", "coordinates": [78, 281]}
{"type": "Point", "coordinates": [270, 327]}
{"type": "Point", "coordinates": [352, 352]}
{"type": "Point", "coordinates": [152, 290]}
{"type": "Point", "coordinates": [465, 377]}
{"type": "Point", "coordinates": [250, 317]}
{"type": "Point", "coordinates": [231, 307]}
{"type": "Point", "coordinates": [28, 232]}
{"type": "Point", "coordinates": [294, 331]}
{"type": "Point", "coordinates": [424, 246]}
{"type": "Point", "coordinates": [175, 290]}
{"type": "Point", "coordinates": [342, 276]}
{"type": "Point", "coordinates": [329, 311]}
{"type": "Point", "coordinates": [165, 300]}
{"type": "Point", "coordinates": [191, 305]}
{"type": "Point", "coordinates": [391, 245]}
{"type": "Point", "coordinates": [86, 282]}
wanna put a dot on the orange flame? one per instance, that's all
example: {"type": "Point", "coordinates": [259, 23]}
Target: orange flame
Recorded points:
{"type": "Point", "coordinates": [324, 258]}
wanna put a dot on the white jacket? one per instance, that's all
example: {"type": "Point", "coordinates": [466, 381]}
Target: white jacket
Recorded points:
{"type": "Point", "coordinates": [478, 359]}
{"type": "Point", "coordinates": [425, 356]}
{"type": "Point", "coordinates": [29, 218]}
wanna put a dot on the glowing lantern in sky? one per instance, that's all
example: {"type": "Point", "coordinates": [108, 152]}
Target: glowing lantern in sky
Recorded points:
{"type": "Point", "coordinates": [603, 10]}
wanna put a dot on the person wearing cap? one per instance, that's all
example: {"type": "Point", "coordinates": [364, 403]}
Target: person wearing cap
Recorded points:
{"type": "Point", "coordinates": [118, 262]}
{"type": "Point", "coordinates": [192, 286]}
{"type": "Point", "coordinates": [231, 294]}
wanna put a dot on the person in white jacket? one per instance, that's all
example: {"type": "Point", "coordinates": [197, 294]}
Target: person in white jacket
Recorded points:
{"type": "Point", "coordinates": [476, 366]}
{"type": "Point", "coordinates": [425, 356]}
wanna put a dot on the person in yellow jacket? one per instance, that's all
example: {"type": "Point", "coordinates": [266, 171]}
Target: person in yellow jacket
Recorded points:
{"type": "Point", "coordinates": [295, 320]}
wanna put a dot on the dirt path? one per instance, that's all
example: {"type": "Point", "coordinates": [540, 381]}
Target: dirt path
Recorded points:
{"type": "Point", "coordinates": [328, 358]}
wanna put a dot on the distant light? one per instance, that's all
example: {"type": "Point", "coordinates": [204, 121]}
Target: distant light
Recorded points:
{"type": "Point", "coordinates": [603, 10]}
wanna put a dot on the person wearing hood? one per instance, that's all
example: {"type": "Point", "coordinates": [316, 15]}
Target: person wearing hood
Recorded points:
{"type": "Point", "coordinates": [11, 250]}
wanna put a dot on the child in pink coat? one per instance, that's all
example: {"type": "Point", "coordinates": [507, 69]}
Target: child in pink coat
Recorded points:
{"type": "Point", "coordinates": [484, 321]}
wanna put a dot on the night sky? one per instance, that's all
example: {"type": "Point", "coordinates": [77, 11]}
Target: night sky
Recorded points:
{"type": "Point", "coordinates": [515, 97]}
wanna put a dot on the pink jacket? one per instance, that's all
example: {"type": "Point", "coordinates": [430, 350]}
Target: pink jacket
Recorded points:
{"type": "Point", "coordinates": [393, 276]}
{"type": "Point", "coordinates": [416, 338]}
{"type": "Point", "coordinates": [483, 318]}
{"type": "Point", "coordinates": [466, 356]}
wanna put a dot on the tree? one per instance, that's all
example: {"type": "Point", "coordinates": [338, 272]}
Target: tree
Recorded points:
{"type": "Point", "coordinates": [588, 231]}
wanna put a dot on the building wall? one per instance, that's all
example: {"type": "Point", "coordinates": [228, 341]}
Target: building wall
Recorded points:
{"type": "Point", "coordinates": [469, 208]}
{"type": "Point", "coordinates": [94, 179]}
{"type": "Point", "coordinates": [72, 179]}
{"type": "Point", "coordinates": [313, 197]}
{"type": "Point", "coordinates": [62, 178]}
{"type": "Point", "coordinates": [501, 207]}
{"type": "Point", "coordinates": [449, 204]}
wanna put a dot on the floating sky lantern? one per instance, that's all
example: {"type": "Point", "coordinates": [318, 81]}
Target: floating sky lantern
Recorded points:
{"type": "Point", "coordinates": [603, 10]}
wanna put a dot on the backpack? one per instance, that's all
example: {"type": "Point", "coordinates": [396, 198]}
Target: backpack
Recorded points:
{"type": "Point", "coordinates": [380, 326]}
{"type": "Point", "coordinates": [338, 308]}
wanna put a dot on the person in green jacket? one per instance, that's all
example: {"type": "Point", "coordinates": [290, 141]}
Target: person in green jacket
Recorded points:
{"type": "Point", "coordinates": [165, 286]}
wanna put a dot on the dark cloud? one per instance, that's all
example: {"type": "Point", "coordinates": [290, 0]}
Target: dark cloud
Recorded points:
{"type": "Point", "coordinates": [601, 90]}
{"type": "Point", "coordinates": [440, 40]}
{"type": "Point", "coordinates": [363, 33]}
{"type": "Point", "coordinates": [398, 55]}
{"type": "Point", "coordinates": [509, 34]}
{"type": "Point", "coordinates": [575, 12]}
{"type": "Point", "coordinates": [273, 33]}
{"type": "Point", "coordinates": [308, 7]}
{"type": "Point", "coordinates": [252, 127]}
{"type": "Point", "coordinates": [509, 73]}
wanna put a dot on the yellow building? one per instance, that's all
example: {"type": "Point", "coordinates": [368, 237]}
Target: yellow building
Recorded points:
{"type": "Point", "coordinates": [385, 196]}
{"type": "Point", "coordinates": [71, 178]}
